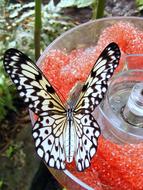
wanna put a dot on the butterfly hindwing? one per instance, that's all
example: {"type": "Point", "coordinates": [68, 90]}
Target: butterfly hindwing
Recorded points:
{"type": "Point", "coordinates": [96, 85]}
{"type": "Point", "coordinates": [87, 131]}
{"type": "Point", "coordinates": [49, 139]}
{"type": "Point", "coordinates": [32, 85]}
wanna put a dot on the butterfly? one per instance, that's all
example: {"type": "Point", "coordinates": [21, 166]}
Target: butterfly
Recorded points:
{"type": "Point", "coordinates": [62, 133]}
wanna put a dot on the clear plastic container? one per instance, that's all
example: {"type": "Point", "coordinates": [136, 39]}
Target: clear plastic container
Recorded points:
{"type": "Point", "coordinates": [86, 35]}
{"type": "Point", "coordinates": [118, 124]}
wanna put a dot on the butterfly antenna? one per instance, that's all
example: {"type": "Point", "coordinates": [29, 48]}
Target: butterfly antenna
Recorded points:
{"type": "Point", "coordinates": [74, 94]}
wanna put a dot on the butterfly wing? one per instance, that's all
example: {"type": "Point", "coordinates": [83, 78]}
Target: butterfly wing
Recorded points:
{"type": "Point", "coordinates": [93, 91]}
{"type": "Point", "coordinates": [96, 84]}
{"type": "Point", "coordinates": [87, 133]}
{"type": "Point", "coordinates": [32, 85]}
{"type": "Point", "coordinates": [49, 139]}
{"type": "Point", "coordinates": [41, 98]}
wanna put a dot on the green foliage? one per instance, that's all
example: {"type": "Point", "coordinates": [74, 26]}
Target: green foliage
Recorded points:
{"type": "Point", "coordinates": [7, 94]}
{"type": "Point", "coordinates": [98, 9]}
{"type": "Point", "coordinates": [1, 184]}
{"type": "Point", "coordinates": [75, 3]}
{"type": "Point", "coordinates": [38, 23]}
{"type": "Point", "coordinates": [139, 4]}
{"type": "Point", "coordinates": [15, 150]}
{"type": "Point", "coordinates": [10, 151]}
{"type": "Point", "coordinates": [19, 26]}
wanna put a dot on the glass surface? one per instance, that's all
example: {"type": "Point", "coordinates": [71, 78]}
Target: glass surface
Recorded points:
{"type": "Point", "coordinates": [83, 36]}
{"type": "Point", "coordinates": [134, 61]}
{"type": "Point", "coordinates": [114, 126]}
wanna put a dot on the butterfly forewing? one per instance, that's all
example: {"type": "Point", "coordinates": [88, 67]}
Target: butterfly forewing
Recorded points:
{"type": "Point", "coordinates": [96, 85]}
{"type": "Point", "coordinates": [32, 85]}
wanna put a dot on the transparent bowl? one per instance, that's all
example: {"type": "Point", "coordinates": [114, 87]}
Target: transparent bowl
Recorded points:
{"type": "Point", "coordinates": [84, 35]}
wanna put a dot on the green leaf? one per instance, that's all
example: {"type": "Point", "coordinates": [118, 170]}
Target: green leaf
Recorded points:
{"type": "Point", "coordinates": [2, 2]}
{"type": "Point", "coordinates": [84, 3]}
{"type": "Point", "coordinates": [139, 4]}
{"type": "Point", "coordinates": [52, 8]}
{"type": "Point", "coordinates": [77, 3]}
{"type": "Point", "coordinates": [10, 151]}
{"type": "Point", "coordinates": [1, 183]}
{"type": "Point", "coordinates": [65, 3]}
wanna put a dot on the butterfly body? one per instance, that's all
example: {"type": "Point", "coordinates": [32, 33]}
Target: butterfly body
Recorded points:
{"type": "Point", "coordinates": [69, 137]}
{"type": "Point", "coordinates": [62, 134]}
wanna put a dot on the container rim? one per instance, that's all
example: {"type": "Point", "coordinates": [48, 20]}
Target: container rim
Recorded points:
{"type": "Point", "coordinates": [122, 18]}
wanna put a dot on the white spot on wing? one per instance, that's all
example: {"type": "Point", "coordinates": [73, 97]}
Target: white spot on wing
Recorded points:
{"type": "Point", "coordinates": [15, 58]}
{"type": "Point", "coordinates": [40, 152]}
{"type": "Point", "coordinates": [51, 162]}
{"type": "Point", "coordinates": [111, 52]}
{"type": "Point", "coordinates": [99, 60]}
{"type": "Point", "coordinates": [28, 74]}
{"type": "Point", "coordinates": [100, 70]}
{"type": "Point", "coordinates": [97, 133]}
{"type": "Point", "coordinates": [37, 142]}
{"type": "Point", "coordinates": [103, 62]}
{"type": "Point", "coordinates": [46, 157]}
{"type": "Point", "coordinates": [86, 163]}
{"type": "Point", "coordinates": [22, 94]}
{"type": "Point", "coordinates": [92, 152]}
{"type": "Point", "coordinates": [35, 134]}
{"type": "Point", "coordinates": [28, 68]}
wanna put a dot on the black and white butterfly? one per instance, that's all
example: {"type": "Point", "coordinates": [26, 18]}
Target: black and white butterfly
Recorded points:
{"type": "Point", "coordinates": [62, 133]}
